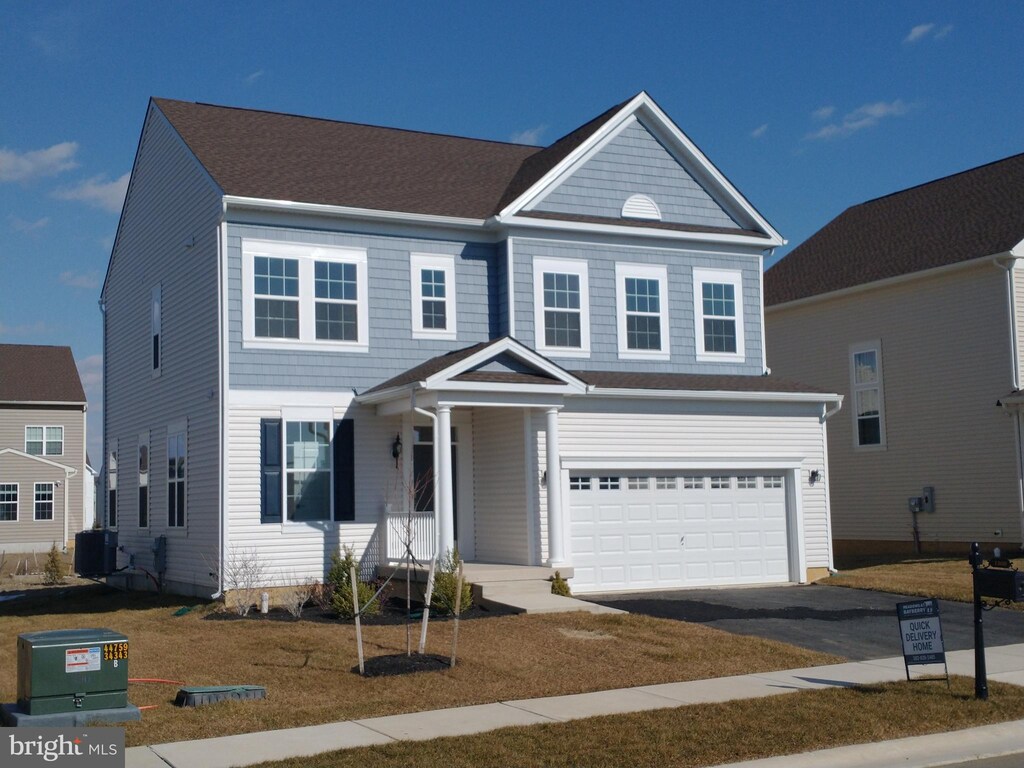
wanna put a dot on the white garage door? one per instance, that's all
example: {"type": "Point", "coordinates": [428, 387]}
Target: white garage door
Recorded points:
{"type": "Point", "coordinates": [658, 530]}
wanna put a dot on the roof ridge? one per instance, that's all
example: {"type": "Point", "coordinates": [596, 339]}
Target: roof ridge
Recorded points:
{"type": "Point", "coordinates": [297, 116]}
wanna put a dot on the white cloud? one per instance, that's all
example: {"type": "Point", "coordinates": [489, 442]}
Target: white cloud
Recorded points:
{"type": "Point", "coordinates": [924, 31]}
{"type": "Point", "coordinates": [760, 131]}
{"type": "Point", "coordinates": [21, 225]}
{"type": "Point", "coordinates": [108, 195]}
{"type": "Point", "coordinates": [823, 113]}
{"type": "Point", "coordinates": [86, 280]}
{"type": "Point", "coordinates": [21, 166]}
{"type": "Point", "coordinates": [528, 136]}
{"type": "Point", "coordinates": [252, 78]}
{"type": "Point", "coordinates": [865, 116]}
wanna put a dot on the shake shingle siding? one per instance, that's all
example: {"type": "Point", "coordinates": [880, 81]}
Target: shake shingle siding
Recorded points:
{"type": "Point", "coordinates": [168, 236]}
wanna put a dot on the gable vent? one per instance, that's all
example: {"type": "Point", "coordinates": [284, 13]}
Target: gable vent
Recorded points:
{"type": "Point", "coordinates": [641, 207]}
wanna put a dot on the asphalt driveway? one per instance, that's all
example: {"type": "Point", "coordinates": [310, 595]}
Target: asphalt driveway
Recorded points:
{"type": "Point", "coordinates": [854, 623]}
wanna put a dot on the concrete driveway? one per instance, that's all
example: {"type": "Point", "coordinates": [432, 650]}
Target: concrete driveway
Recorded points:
{"type": "Point", "coordinates": [853, 623]}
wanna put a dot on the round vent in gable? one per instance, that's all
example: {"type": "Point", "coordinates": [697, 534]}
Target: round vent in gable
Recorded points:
{"type": "Point", "coordinates": [641, 207]}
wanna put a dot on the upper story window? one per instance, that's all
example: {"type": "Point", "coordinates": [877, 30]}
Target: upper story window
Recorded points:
{"type": "Point", "coordinates": [868, 400]}
{"type": "Point", "coordinates": [561, 307]}
{"type": "Point", "coordinates": [718, 311]}
{"type": "Point", "coordinates": [433, 296]}
{"type": "Point", "coordinates": [155, 321]}
{"type": "Point", "coordinates": [44, 441]}
{"type": "Point", "coordinates": [297, 296]}
{"type": "Point", "coordinates": [641, 291]}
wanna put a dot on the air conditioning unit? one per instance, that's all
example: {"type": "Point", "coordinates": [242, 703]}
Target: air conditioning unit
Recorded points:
{"type": "Point", "coordinates": [96, 553]}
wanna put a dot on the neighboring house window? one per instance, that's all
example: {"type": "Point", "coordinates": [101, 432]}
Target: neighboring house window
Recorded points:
{"type": "Point", "coordinates": [44, 441]}
{"type": "Point", "coordinates": [718, 310]}
{"type": "Point", "coordinates": [176, 467]}
{"type": "Point", "coordinates": [112, 487]}
{"type": "Point", "coordinates": [298, 296]}
{"type": "Point", "coordinates": [868, 400]}
{"type": "Point", "coordinates": [641, 292]}
{"type": "Point", "coordinates": [8, 502]}
{"type": "Point", "coordinates": [561, 307]}
{"type": "Point", "coordinates": [307, 470]}
{"type": "Point", "coordinates": [44, 501]}
{"type": "Point", "coordinates": [144, 480]}
{"type": "Point", "coordinates": [433, 296]}
{"type": "Point", "coordinates": [155, 303]}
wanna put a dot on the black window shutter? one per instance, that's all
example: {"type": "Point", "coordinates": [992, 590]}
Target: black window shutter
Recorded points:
{"type": "Point", "coordinates": [270, 470]}
{"type": "Point", "coordinates": [344, 470]}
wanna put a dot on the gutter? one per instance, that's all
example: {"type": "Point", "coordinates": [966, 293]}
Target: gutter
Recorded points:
{"type": "Point", "coordinates": [720, 395]}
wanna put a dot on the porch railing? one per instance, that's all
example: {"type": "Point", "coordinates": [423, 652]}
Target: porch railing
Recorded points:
{"type": "Point", "coordinates": [416, 528]}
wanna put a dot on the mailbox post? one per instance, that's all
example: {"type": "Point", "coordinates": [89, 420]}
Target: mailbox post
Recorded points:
{"type": "Point", "coordinates": [1000, 580]}
{"type": "Point", "coordinates": [980, 675]}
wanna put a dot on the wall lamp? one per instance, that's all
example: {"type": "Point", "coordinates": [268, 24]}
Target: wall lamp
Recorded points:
{"type": "Point", "coordinates": [396, 449]}
{"type": "Point", "coordinates": [815, 476]}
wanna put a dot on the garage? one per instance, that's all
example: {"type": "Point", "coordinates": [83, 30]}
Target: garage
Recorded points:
{"type": "Point", "coordinates": [656, 529]}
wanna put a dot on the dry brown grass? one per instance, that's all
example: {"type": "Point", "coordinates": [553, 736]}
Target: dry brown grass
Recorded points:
{"type": "Point", "coordinates": [704, 734]}
{"type": "Point", "coordinates": [307, 667]}
{"type": "Point", "coordinates": [947, 577]}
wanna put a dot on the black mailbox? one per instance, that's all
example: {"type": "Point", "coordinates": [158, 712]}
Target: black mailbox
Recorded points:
{"type": "Point", "coordinates": [1000, 583]}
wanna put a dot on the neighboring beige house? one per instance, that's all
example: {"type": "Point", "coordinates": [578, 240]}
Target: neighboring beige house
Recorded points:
{"type": "Point", "coordinates": [911, 306]}
{"type": "Point", "coordinates": [42, 448]}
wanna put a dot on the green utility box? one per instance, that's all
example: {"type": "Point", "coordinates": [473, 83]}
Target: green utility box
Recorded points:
{"type": "Point", "coordinates": [72, 670]}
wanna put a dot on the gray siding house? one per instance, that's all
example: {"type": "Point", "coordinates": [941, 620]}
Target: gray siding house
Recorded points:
{"type": "Point", "coordinates": [42, 449]}
{"type": "Point", "coordinates": [321, 333]}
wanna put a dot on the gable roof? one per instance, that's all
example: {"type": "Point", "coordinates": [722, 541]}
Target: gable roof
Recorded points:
{"type": "Point", "coordinates": [976, 213]}
{"type": "Point", "coordinates": [39, 374]}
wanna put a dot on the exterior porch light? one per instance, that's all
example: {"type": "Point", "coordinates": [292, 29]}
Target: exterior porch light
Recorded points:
{"type": "Point", "coordinates": [396, 449]}
{"type": "Point", "coordinates": [815, 476]}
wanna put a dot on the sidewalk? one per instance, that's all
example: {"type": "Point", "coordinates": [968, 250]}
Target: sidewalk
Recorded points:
{"type": "Point", "coordinates": [1005, 664]}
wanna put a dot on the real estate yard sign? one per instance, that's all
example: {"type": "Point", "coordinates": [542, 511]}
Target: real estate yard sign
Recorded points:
{"type": "Point", "coordinates": [921, 632]}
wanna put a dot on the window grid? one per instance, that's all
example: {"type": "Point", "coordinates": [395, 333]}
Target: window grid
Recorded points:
{"type": "Point", "coordinates": [143, 484]}
{"type": "Point", "coordinates": [638, 484]}
{"type": "Point", "coordinates": [719, 482]}
{"type": "Point", "coordinates": [867, 393]}
{"type": "Point", "coordinates": [112, 487]}
{"type": "Point", "coordinates": [608, 483]}
{"type": "Point", "coordinates": [643, 313]}
{"type": "Point", "coordinates": [579, 483]}
{"type": "Point", "coordinates": [277, 317]}
{"type": "Point", "coordinates": [433, 290]}
{"type": "Point", "coordinates": [44, 501]}
{"type": "Point", "coordinates": [693, 483]}
{"type": "Point", "coordinates": [665, 483]}
{"type": "Point", "coordinates": [336, 291]}
{"type": "Point", "coordinates": [176, 480]}
{"type": "Point", "coordinates": [719, 304]}
{"type": "Point", "coordinates": [8, 502]}
{"type": "Point", "coordinates": [773, 481]}
{"type": "Point", "coordinates": [44, 441]}
{"type": "Point", "coordinates": [308, 470]}
{"type": "Point", "coordinates": [746, 482]}
{"type": "Point", "coordinates": [562, 310]}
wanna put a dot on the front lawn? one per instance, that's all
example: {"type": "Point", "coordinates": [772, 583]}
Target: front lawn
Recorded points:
{"type": "Point", "coordinates": [707, 734]}
{"type": "Point", "coordinates": [307, 666]}
{"type": "Point", "coordinates": [945, 577]}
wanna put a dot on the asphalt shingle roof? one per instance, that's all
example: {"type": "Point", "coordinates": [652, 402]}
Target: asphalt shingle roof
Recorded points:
{"type": "Point", "coordinates": [976, 213]}
{"type": "Point", "coordinates": [39, 374]}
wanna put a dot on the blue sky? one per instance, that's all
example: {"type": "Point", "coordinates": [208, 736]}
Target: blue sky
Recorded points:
{"type": "Point", "coordinates": [808, 107]}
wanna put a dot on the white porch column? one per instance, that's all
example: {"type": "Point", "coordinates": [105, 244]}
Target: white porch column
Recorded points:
{"type": "Point", "coordinates": [445, 507]}
{"type": "Point", "coordinates": [556, 538]}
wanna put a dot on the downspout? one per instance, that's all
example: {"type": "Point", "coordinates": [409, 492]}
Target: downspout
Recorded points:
{"type": "Point", "coordinates": [1008, 264]}
{"type": "Point", "coordinates": [68, 474]}
{"type": "Point", "coordinates": [222, 420]}
{"type": "Point", "coordinates": [826, 414]}
{"type": "Point", "coordinates": [437, 523]}
{"type": "Point", "coordinates": [510, 288]}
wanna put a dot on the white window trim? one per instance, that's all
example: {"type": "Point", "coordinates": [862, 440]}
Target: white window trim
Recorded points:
{"type": "Point", "coordinates": [45, 427]}
{"type": "Point", "coordinates": [175, 428]}
{"type": "Point", "coordinates": [155, 329]}
{"type": "Point", "coordinates": [442, 263]}
{"type": "Point", "coordinates": [53, 502]}
{"type": "Point", "coordinates": [875, 346]}
{"type": "Point", "coordinates": [17, 503]}
{"type": "Point", "coordinates": [306, 255]}
{"type": "Point", "coordinates": [306, 414]}
{"type": "Point", "coordinates": [735, 278]}
{"type": "Point", "coordinates": [648, 272]}
{"type": "Point", "coordinates": [568, 267]}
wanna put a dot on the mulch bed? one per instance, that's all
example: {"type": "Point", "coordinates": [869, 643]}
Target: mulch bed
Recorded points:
{"type": "Point", "coordinates": [392, 613]}
{"type": "Point", "coordinates": [401, 664]}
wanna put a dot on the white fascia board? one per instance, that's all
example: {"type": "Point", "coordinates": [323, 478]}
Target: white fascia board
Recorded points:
{"type": "Point", "coordinates": [660, 462]}
{"type": "Point", "coordinates": [262, 398]}
{"type": "Point", "coordinates": [682, 236]}
{"type": "Point", "coordinates": [261, 204]}
{"type": "Point", "coordinates": [898, 279]}
{"type": "Point", "coordinates": [15, 452]}
{"type": "Point", "coordinates": [499, 388]}
{"type": "Point", "coordinates": [689, 394]}
{"type": "Point", "coordinates": [44, 403]}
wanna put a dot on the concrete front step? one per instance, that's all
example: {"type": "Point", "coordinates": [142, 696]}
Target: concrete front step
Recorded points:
{"type": "Point", "coordinates": [495, 588]}
{"type": "Point", "coordinates": [538, 603]}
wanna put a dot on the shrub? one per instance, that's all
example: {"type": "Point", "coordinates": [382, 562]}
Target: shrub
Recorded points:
{"type": "Point", "coordinates": [295, 596]}
{"type": "Point", "coordinates": [560, 586]}
{"type": "Point", "coordinates": [245, 575]}
{"type": "Point", "coordinates": [53, 571]}
{"type": "Point", "coordinates": [446, 578]}
{"type": "Point", "coordinates": [340, 583]}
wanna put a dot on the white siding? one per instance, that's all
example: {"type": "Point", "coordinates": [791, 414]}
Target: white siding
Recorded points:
{"type": "Point", "coordinates": [946, 360]}
{"type": "Point", "coordinates": [501, 522]}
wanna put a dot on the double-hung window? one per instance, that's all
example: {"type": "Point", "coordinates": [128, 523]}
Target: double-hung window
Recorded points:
{"type": "Point", "coordinates": [8, 502]}
{"type": "Point", "coordinates": [112, 485]}
{"type": "Point", "coordinates": [44, 441]}
{"type": "Point", "coordinates": [44, 501]}
{"type": "Point", "coordinates": [307, 470]}
{"type": "Point", "coordinates": [561, 307]}
{"type": "Point", "coordinates": [433, 296]}
{"type": "Point", "coordinates": [144, 480]}
{"type": "Point", "coordinates": [868, 400]}
{"type": "Point", "coordinates": [176, 468]}
{"type": "Point", "coordinates": [308, 297]}
{"type": "Point", "coordinates": [718, 310]}
{"type": "Point", "coordinates": [155, 322]}
{"type": "Point", "coordinates": [642, 309]}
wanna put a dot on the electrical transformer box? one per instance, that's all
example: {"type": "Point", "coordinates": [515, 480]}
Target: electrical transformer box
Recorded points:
{"type": "Point", "coordinates": [72, 670]}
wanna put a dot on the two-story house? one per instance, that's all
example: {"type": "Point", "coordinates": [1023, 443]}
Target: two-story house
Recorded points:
{"type": "Point", "coordinates": [912, 305]}
{"type": "Point", "coordinates": [43, 479]}
{"type": "Point", "coordinates": [321, 333]}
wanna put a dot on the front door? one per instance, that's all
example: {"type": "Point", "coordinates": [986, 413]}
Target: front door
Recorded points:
{"type": "Point", "coordinates": [423, 473]}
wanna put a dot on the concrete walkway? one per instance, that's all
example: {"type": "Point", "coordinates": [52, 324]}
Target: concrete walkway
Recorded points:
{"type": "Point", "coordinates": [1005, 664]}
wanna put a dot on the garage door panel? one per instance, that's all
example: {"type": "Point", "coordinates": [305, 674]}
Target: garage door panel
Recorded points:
{"type": "Point", "coordinates": [695, 512]}
{"type": "Point", "coordinates": [722, 511]}
{"type": "Point", "coordinates": [640, 513]}
{"type": "Point", "coordinates": [641, 573]}
{"type": "Point", "coordinates": [748, 509]}
{"type": "Point", "coordinates": [667, 512]}
{"type": "Point", "coordinates": [641, 543]}
{"type": "Point", "coordinates": [668, 542]}
{"type": "Point", "coordinates": [611, 545]}
{"type": "Point", "coordinates": [581, 513]}
{"type": "Point", "coordinates": [610, 513]}
{"type": "Point", "coordinates": [582, 545]}
{"type": "Point", "coordinates": [775, 511]}
{"type": "Point", "coordinates": [723, 540]}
